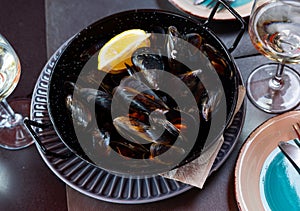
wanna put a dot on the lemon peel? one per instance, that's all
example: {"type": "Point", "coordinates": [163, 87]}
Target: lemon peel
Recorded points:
{"type": "Point", "coordinates": [118, 50]}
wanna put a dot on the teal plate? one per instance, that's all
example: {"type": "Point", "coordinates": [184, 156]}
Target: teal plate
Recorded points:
{"type": "Point", "coordinates": [279, 183]}
{"type": "Point", "coordinates": [264, 178]}
{"type": "Point", "coordinates": [237, 3]}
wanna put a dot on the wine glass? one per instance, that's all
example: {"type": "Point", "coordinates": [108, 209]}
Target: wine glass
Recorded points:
{"type": "Point", "coordinates": [13, 134]}
{"type": "Point", "coordinates": [274, 29]}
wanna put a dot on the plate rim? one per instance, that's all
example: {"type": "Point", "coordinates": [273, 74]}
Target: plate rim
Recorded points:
{"type": "Point", "coordinates": [248, 143]}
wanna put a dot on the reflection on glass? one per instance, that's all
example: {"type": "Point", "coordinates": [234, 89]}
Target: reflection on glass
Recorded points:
{"type": "Point", "coordinates": [13, 135]}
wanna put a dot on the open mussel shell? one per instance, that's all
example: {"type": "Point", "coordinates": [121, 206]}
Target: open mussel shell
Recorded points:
{"type": "Point", "coordinates": [78, 64]}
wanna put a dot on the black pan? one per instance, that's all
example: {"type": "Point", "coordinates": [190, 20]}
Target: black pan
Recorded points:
{"type": "Point", "coordinates": [80, 53]}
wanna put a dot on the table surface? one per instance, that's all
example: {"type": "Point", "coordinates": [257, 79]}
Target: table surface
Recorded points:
{"type": "Point", "coordinates": [36, 29]}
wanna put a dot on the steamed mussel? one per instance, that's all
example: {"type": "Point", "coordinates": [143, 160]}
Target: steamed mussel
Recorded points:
{"type": "Point", "coordinates": [147, 122]}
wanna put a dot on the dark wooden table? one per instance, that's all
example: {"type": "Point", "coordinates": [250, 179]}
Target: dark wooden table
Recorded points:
{"type": "Point", "coordinates": [36, 29]}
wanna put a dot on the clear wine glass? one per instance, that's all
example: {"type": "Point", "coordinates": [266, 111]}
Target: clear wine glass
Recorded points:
{"type": "Point", "coordinates": [274, 29]}
{"type": "Point", "coordinates": [13, 134]}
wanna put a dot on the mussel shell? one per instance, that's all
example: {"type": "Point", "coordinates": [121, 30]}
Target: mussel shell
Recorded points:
{"type": "Point", "coordinates": [138, 95]}
{"type": "Point", "coordinates": [217, 59]}
{"type": "Point", "coordinates": [183, 51]}
{"type": "Point", "coordinates": [102, 100]}
{"type": "Point", "coordinates": [133, 129]}
{"type": "Point", "coordinates": [129, 149]}
{"type": "Point", "coordinates": [157, 149]}
{"type": "Point", "coordinates": [145, 59]}
{"type": "Point", "coordinates": [79, 113]}
{"type": "Point", "coordinates": [196, 40]}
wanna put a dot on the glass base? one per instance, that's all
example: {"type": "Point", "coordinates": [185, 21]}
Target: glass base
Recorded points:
{"type": "Point", "coordinates": [13, 134]}
{"type": "Point", "coordinates": [269, 100]}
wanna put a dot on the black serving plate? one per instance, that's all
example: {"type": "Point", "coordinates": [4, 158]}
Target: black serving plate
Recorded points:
{"type": "Point", "coordinates": [98, 183]}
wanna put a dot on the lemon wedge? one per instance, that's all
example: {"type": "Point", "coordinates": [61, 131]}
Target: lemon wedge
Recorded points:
{"type": "Point", "coordinates": [118, 50]}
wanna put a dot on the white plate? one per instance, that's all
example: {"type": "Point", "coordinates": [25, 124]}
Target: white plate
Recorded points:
{"type": "Point", "coordinates": [258, 147]}
{"type": "Point", "coordinates": [243, 7]}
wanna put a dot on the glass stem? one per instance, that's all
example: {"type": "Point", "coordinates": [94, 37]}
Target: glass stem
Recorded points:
{"type": "Point", "coordinates": [8, 109]}
{"type": "Point", "coordinates": [277, 81]}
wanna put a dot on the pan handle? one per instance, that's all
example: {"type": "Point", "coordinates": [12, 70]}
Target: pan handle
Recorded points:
{"type": "Point", "coordinates": [235, 14]}
{"type": "Point", "coordinates": [29, 124]}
